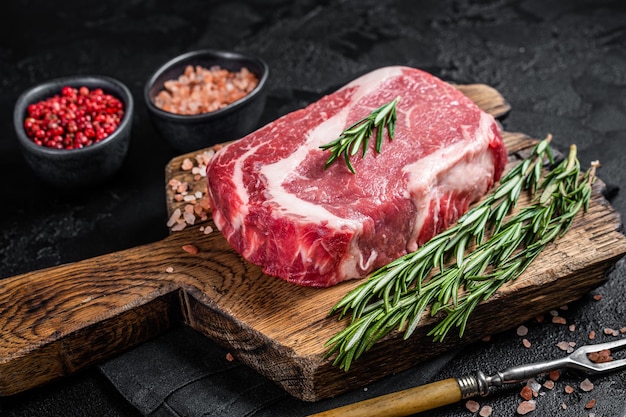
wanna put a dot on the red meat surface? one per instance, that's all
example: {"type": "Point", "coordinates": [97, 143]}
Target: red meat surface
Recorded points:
{"type": "Point", "coordinates": [279, 208]}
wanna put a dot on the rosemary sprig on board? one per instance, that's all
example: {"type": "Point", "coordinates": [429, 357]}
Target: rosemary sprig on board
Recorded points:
{"type": "Point", "coordinates": [358, 134]}
{"type": "Point", "coordinates": [397, 295]}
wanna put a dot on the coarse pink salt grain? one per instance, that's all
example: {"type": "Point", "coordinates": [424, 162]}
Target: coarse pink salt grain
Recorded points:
{"type": "Point", "coordinates": [586, 385]}
{"type": "Point", "coordinates": [611, 332]}
{"type": "Point", "coordinates": [190, 218]}
{"type": "Point", "coordinates": [568, 389]}
{"type": "Point", "coordinates": [169, 269]}
{"type": "Point", "coordinates": [179, 226]}
{"type": "Point", "coordinates": [201, 90]}
{"type": "Point", "coordinates": [173, 218]}
{"type": "Point", "coordinates": [187, 164]}
{"type": "Point", "coordinates": [548, 384]}
{"type": "Point", "coordinates": [230, 357]}
{"type": "Point", "coordinates": [597, 297]}
{"type": "Point", "coordinates": [190, 249]}
{"type": "Point", "coordinates": [526, 393]}
{"type": "Point", "coordinates": [472, 406]}
{"type": "Point", "coordinates": [522, 330]}
{"type": "Point", "coordinates": [592, 335]}
{"type": "Point", "coordinates": [590, 404]}
{"type": "Point", "coordinates": [563, 345]}
{"type": "Point", "coordinates": [526, 407]}
{"type": "Point", "coordinates": [526, 343]}
{"type": "Point", "coordinates": [559, 320]}
{"type": "Point", "coordinates": [554, 375]}
{"type": "Point", "coordinates": [485, 411]}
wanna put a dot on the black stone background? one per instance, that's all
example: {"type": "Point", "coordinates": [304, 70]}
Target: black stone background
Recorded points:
{"type": "Point", "coordinates": [561, 65]}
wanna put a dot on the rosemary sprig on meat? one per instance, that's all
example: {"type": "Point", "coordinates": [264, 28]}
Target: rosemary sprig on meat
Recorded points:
{"type": "Point", "coordinates": [358, 135]}
{"type": "Point", "coordinates": [398, 294]}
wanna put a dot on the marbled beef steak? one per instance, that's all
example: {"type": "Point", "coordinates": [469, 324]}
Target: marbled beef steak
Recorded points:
{"type": "Point", "coordinates": [279, 208]}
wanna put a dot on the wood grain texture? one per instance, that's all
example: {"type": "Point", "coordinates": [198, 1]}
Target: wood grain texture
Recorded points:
{"type": "Point", "coordinates": [58, 320]}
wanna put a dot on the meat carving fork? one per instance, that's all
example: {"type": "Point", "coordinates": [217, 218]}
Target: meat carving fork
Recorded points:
{"type": "Point", "coordinates": [451, 390]}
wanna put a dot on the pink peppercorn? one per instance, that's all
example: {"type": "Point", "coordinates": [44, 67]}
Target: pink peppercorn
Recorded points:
{"type": "Point", "coordinates": [76, 118]}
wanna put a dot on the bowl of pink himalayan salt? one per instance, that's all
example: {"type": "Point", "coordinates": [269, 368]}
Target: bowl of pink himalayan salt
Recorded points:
{"type": "Point", "coordinates": [205, 97]}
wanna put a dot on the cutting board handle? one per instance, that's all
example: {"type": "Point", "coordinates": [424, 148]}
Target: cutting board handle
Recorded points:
{"type": "Point", "coordinates": [57, 320]}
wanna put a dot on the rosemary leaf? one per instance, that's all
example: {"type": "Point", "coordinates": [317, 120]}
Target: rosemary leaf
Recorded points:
{"type": "Point", "coordinates": [358, 135]}
{"type": "Point", "coordinates": [396, 296]}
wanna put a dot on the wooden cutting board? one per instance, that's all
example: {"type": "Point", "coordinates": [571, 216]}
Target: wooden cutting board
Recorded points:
{"type": "Point", "coordinates": [57, 320]}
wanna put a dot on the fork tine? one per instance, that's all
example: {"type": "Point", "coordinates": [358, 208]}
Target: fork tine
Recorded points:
{"type": "Point", "coordinates": [615, 344]}
{"type": "Point", "coordinates": [609, 366]}
{"type": "Point", "coordinates": [581, 361]}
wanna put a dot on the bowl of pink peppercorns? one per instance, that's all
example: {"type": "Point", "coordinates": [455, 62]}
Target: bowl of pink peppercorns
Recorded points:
{"type": "Point", "coordinates": [74, 131]}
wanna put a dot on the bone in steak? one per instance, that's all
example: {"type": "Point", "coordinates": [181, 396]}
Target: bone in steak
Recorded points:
{"type": "Point", "coordinates": [277, 206]}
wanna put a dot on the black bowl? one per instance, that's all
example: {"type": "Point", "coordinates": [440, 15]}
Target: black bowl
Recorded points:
{"type": "Point", "coordinates": [187, 133]}
{"type": "Point", "coordinates": [71, 168]}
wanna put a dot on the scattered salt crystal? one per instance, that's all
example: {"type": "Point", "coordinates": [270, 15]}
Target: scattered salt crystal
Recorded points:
{"type": "Point", "coordinates": [622, 330]}
{"type": "Point", "coordinates": [554, 375]}
{"type": "Point", "coordinates": [472, 406]}
{"type": "Point", "coordinates": [190, 249]}
{"type": "Point", "coordinates": [611, 332]}
{"type": "Point", "coordinates": [169, 269]}
{"type": "Point", "coordinates": [187, 164]}
{"type": "Point", "coordinates": [568, 389]}
{"type": "Point", "coordinates": [533, 385]}
{"type": "Point", "coordinates": [564, 307]}
{"type": "Point", "coordinates": [173, 218]}
{"type": "Point", "coordinates": [572, 327]}
{"type": "Point", "coordinates": [485, 411]}
{"type": "Point", "coordinates": [207, 230]}
{"type": "Point", "coordinates": [526, 393]}
{"type": "Point", "coordinates": [563, 345]}
{"type": "Point", "coordinates": [586, 385]}
{"type": "Point", "coordinates": [554, 313]}
{"type": "Point", "coordinates": [179, 226]}
{"type": "Point", "coordinates": [549, 384]}
{"type": "Point", "coordinates": [522, 330]}
{"type": "Point", "coordinates": [182, 187]}
{"type": "Point", "coordinates": [189, 208]}
{"type": "Point", "coordinates": [597, 297]}
{"type": "Point", "coordinates": [526, 407]}
{"type": "Point", "coordinates": [190, 218]}
{"type": "Point", "coordinates": [592, 335]}
{"type": "Point", "coordinates": [526, 343]}
{"type": "Point", "coordinates": [590, 404]}
{"type": "Point", "coordinates": [563, 406]}
{"type": "Point", "coordinates": [198, 194]}
{"type": "Point", "coordinates": [559, 320]}
{"type": "Point", "coordinates": [190, 197]}
{"type": "Point", "coordinates": [230, 357]}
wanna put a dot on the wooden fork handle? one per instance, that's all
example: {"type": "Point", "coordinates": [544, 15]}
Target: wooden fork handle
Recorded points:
{"type": "Point", "coordinates": [402, 403]}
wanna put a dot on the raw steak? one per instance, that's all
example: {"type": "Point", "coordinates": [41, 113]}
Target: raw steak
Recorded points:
{"type": "Point", "coordinates": [277, 206]}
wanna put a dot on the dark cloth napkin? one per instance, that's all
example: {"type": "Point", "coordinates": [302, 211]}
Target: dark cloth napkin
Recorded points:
{"type": "Point", "coordinates": [184, 374]}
